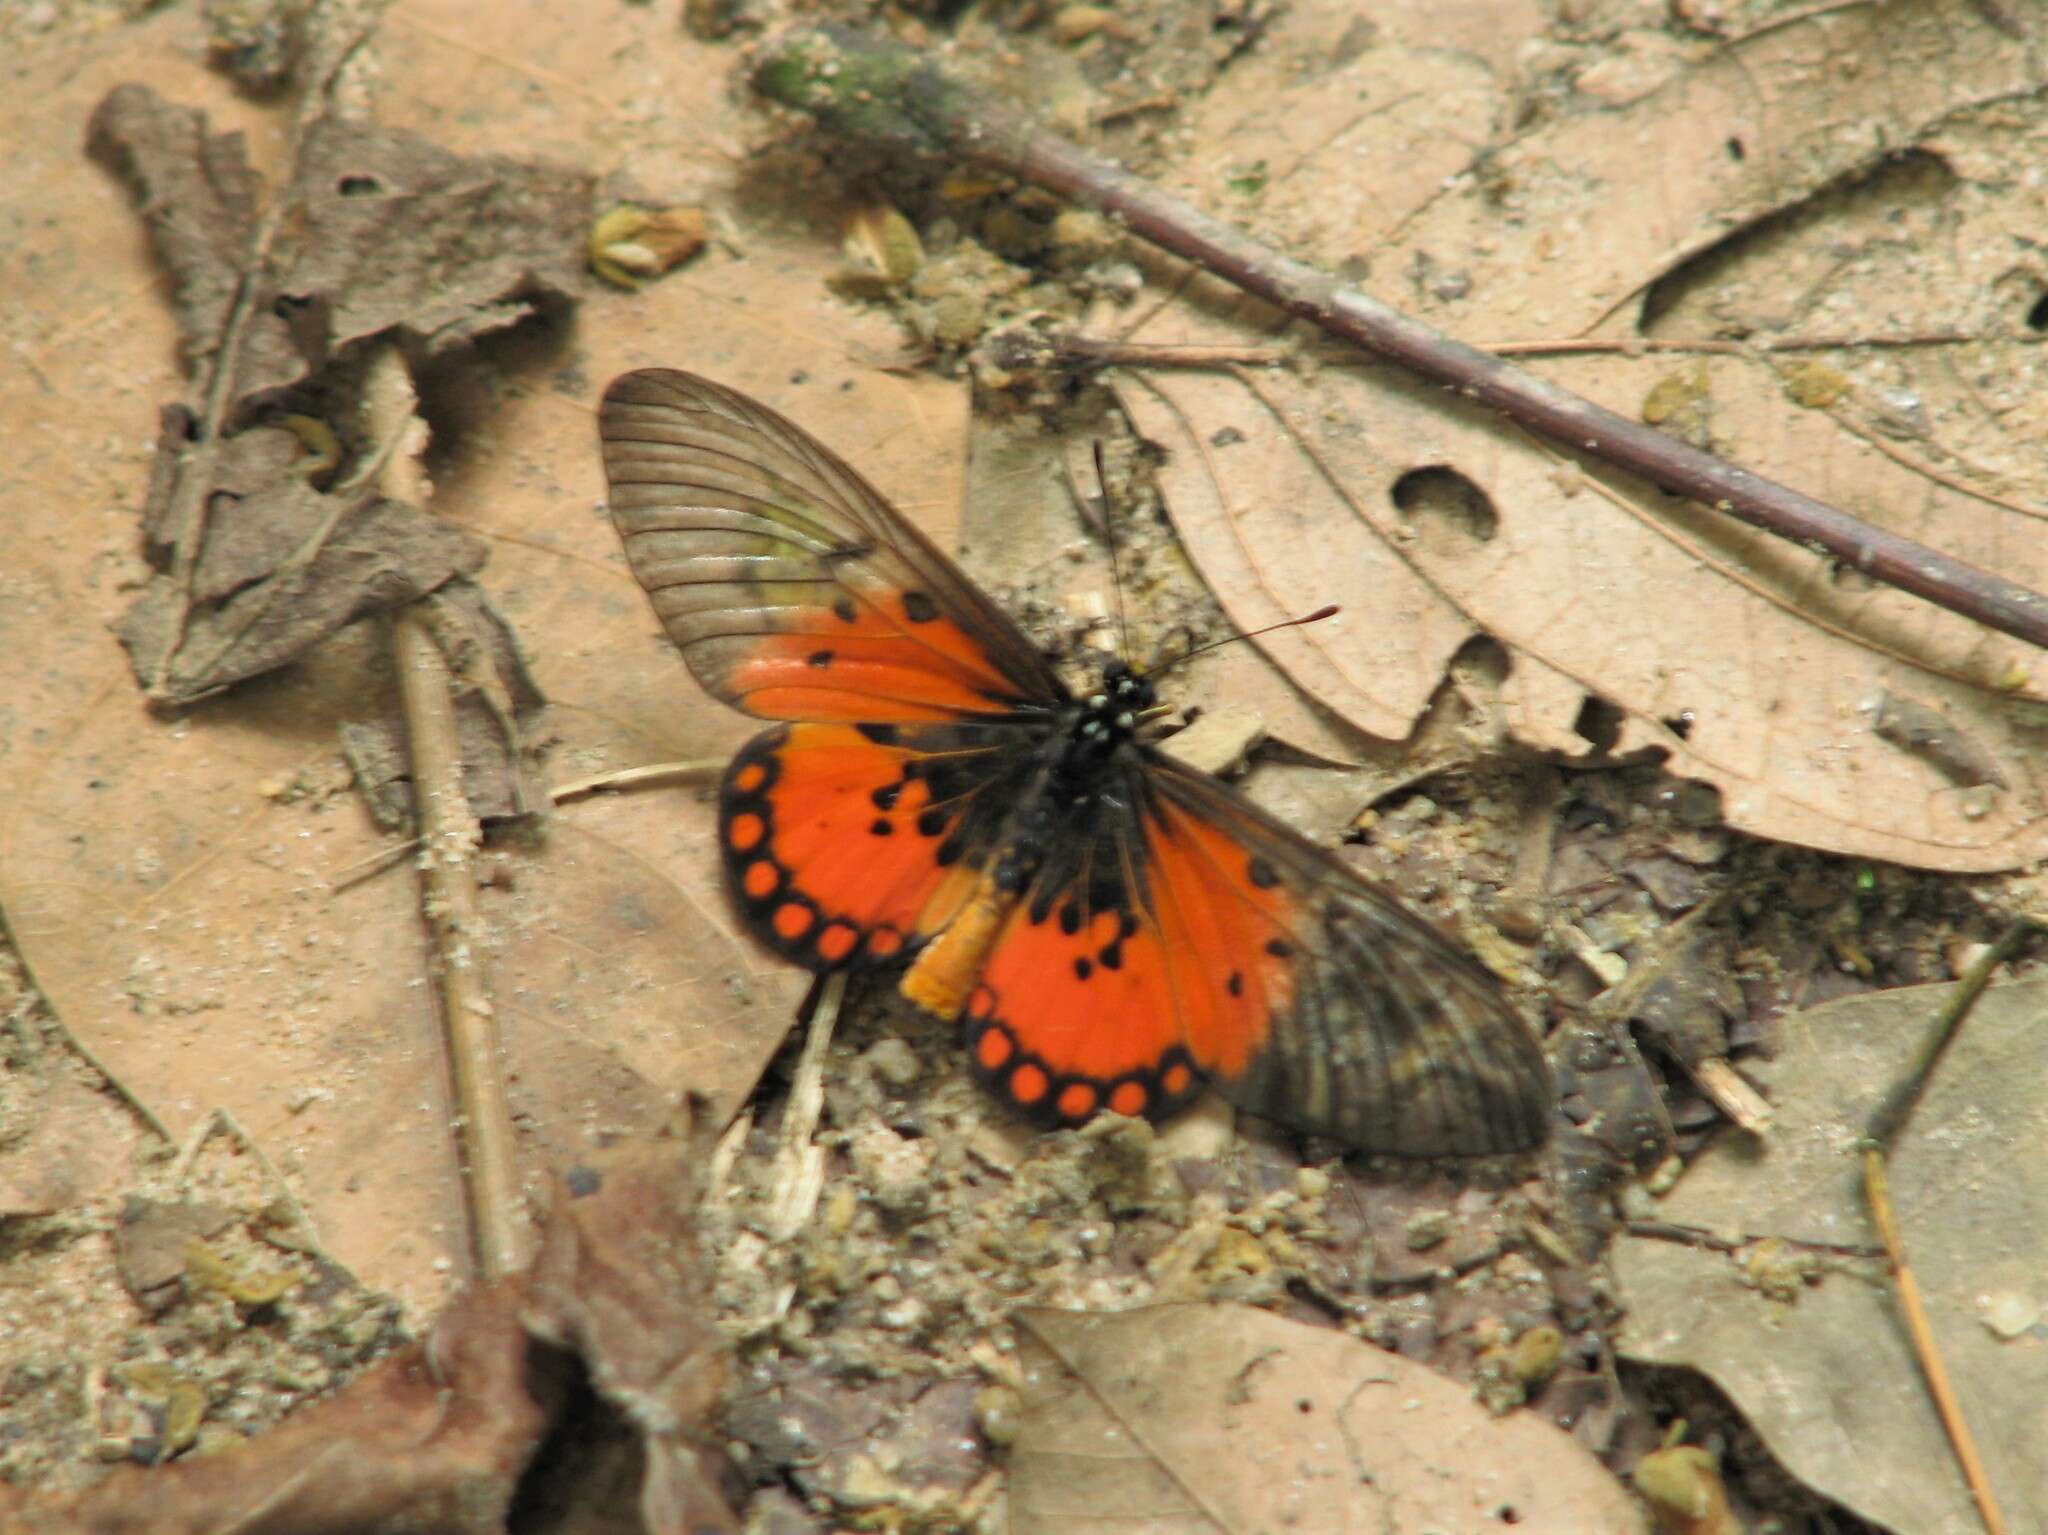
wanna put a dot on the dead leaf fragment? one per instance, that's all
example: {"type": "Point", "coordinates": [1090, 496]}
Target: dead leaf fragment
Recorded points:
{"type": "Point", "coordinates": [388, 236]}
{"type": "Point", "coordinates": [1633, 624]}
{"type": "Point", "coordinates": [282, 569]}
{"type": "Point", "coordinates": [619, 1279]}
{"type": "Point", "coordinates": [630, 244]}
{"type": "Point", "coordinates": [1912, 726]}
{"type": "Point", "coordinates": [200, 199]}
{"type": "Point", "coordinates": [406, 241]}
{"type": "Point", "coordinates": [1191, 1418]}
{"type": "Point", "coordinates": [1682, 1484]}
{"type": "Point", "coordinates": [1780, 1325]}
{"type": "Point", "coordinates": [438, 1435]}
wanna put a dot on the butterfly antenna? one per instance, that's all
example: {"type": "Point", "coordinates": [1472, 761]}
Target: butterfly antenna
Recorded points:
{"type": "Point", "coordinates": [1328, 611]}
{"type": "Point", "coordinates": [1116, 579]}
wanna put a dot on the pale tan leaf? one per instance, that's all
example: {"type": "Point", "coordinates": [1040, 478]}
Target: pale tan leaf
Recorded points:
{"type": "Point", "coordinates": [1745, 662]}
{"type": "Point", "coordinates": [168, 881]}
{"type": "Point", "coordinates": [1194, 1418]}
{"type": "Point", "coordinates": [1784, 1329]}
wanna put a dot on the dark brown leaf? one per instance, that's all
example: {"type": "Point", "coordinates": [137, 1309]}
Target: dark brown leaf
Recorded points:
{"type": "Point", "coordinates": [199, 196]}
{"type": "Point", "coordinates": [281, 570]}
{"type": "Point", "coordinates": [620, 1281]}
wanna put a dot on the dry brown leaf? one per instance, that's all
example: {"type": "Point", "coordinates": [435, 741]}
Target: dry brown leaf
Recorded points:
{"type": "Point", "coordinates": [620, 1280]}
{"type": "Point", "coordinates": [380, 234]}
{"type": "Point", "coordinates": [1788, 1321]}
{"type": "Point", "coordinates": [1226, 1418]}
{"type": "Point", "coordinates": [1636, 624]}
{"type": "Point", "coordinates": [439, 1435]}
{"type": "Point", "coordinates": [171, 884]}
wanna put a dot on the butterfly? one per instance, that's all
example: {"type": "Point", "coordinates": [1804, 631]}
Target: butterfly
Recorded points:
{"type": "Point", "coordinates": [1111, 928]}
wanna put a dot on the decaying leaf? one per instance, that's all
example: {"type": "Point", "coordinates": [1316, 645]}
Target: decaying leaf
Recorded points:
{"type": "Point", "coordinates": [1224, 1418]}
{"type": "Point", "coordinates": [496, 705]}
{"type": "Point", "coordinates": [1786, 1323]}
{"type": "Point", "coordinates": [439, 1435]}
{"type": "Point", "coordinates": [1635, 624]}
{"type": "Point", "coordinates": [282, 569]}
{"type": "Point", "coordinates": [620, 1280]}
{"type": "Point", "coordinates": [381, 235]}
{"type": "Point", "coordinates": [630, 244]}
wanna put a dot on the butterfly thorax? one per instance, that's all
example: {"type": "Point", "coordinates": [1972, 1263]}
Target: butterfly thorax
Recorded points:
{"type": "Point", "coordinates": [1105, 720]}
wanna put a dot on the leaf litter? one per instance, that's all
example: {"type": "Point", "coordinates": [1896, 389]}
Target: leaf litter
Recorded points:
{"type": "Point", "coordinates": [1791, 1302]}
{"type": "Point", "coordinates": [1766, 681]}
{"type": "Point", "coordinates": [853, 1331]}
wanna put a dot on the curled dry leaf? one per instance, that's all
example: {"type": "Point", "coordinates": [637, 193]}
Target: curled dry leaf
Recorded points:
{"type": "Point", "coordinates": [620, 1280]}
{"type": "Point", "coordinates": [1782, 1323]}
{"type": "Point", "coordinates": [380, 235]}
{"type": "Point", "coordinates": [1634, 624]}
{"type": "Point", "coordinates": [1225, 1418]}
{"type": "Point", "coordinates": [439, 1435]}
{"type": "Point", "coordinates": [434, 1436]}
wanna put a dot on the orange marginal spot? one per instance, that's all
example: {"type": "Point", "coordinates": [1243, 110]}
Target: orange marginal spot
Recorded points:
{"type": "Point", "coordinates": [1129, 1097]}
{"type": "Point", "coordinates": [837, 941]}
{"type": "Point", "coordinates": [1077, 1100]}
{"type": "Point", "coordinates": [994, 1049]}
{"type": "Point", "coordinates": [793, 921]}
{"type": "Point", "coordinates": [761, 878]}
{"type": "Point", "coordinates": [1177, 1080]}
{"type": "Point", "coordinates": [884, 941]}
{"type": "Point", "coordinates": [981, 1003]}
{"type": "Point", "coordinates": [750, 778]}
{"type": "Point", "coordinates": [746, 832]}
{"type": "Point", "coordinates": [1028, 1084]}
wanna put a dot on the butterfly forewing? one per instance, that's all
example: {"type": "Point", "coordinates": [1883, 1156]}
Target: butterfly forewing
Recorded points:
{"type": "Point", "coordinates": [792, 588]}
{"type": "Point", "coordinates": [1381, 1033]}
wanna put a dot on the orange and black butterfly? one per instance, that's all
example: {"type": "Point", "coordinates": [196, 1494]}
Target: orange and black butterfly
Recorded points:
{"type": "Point", "coordinates": [1113, 928]}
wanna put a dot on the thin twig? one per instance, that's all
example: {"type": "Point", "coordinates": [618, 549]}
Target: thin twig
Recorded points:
{"type": "Point", "coordinates": [1890, 1116]}
{"type": "Point", "coordinates": [655, 775]}
{"type": "Point", "coordinates": [1877, 1189]}
{"type": "Point", "coordinates": [799, 1174]}
{"type": "Point", "coordinates": [449, 837]}
{"type": "Point", "coordinates": [1887, 1121]}
{"type": "Point", "coordinates": [1079, 348]}
{"type": "Point", "coordinates": [899, 100]}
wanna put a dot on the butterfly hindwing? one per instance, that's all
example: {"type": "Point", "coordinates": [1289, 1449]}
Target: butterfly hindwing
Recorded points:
{"type": "Point", "coordinates": [845, 843]}
{"type": "Point", "coordinates": [791, 587]}
{"type": "Point", "coordinates": [1195, 937]}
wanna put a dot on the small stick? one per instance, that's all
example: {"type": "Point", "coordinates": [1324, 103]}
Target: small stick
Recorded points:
{"type": "Point", "coordinates": [799, 1176]}
{"type": "Point", "coordinates": [1886, 1124]}
{"type": "Point", "coordinates": [896, 99]}
{"type": "Point", "coordinates": [448, 837]}
{"type": "Point", "coordinates": [653, 776]}
{"type": "Point", "coordinates": [448, 840]}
